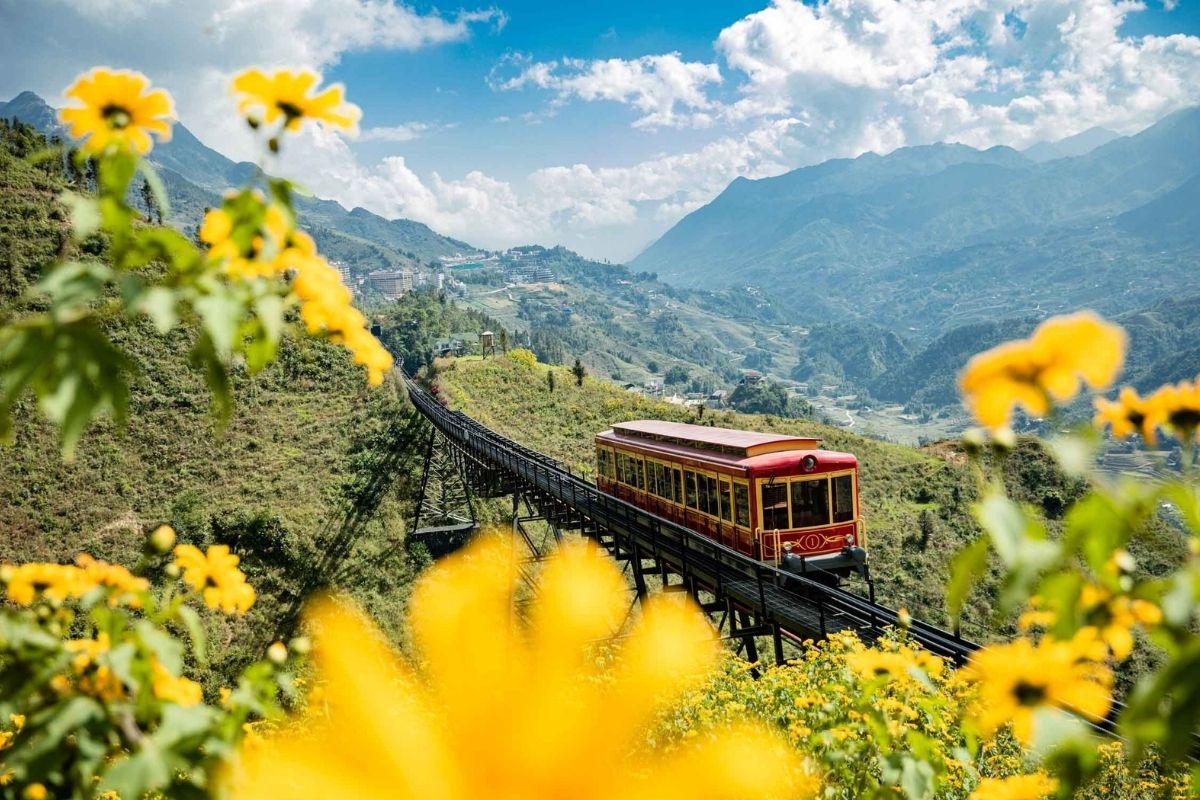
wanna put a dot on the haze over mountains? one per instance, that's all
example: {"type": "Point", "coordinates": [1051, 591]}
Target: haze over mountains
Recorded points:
{"type": "Point", "coordinates": [898, 267]}
{"type": "Point", "coordinates": [928, 238]}
{"type": "Point", "coordinates": [195, 175]}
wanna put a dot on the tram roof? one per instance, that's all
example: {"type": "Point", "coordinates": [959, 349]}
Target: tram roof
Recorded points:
{"type": "Point", "coordinates": [743, 444]}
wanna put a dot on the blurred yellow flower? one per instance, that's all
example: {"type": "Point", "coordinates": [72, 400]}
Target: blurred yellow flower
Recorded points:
{"type": "Point", "coordinates": [1114, 618]}
{"type": "Point", "coordinates": [1128, 414]}
{"type": "Point", "coordinates": [502, 709]}
{"type": "Point", "coordinates": [1045, 368]}
{"type": "Point", "coordinates": [292, 95]}
{"type": "Point", "coordinates": [216, 574]}
{"type": "Point", "coordinates": [117, 110]}
{"type": "Point", "coordinates": [1037, 786]}
{"type": "Point", "coordinates": [1177, 407]}
{"type": "Point", "coordinates": [1020, 678]}
{"type": "Point", "coordinates": [174, 689]}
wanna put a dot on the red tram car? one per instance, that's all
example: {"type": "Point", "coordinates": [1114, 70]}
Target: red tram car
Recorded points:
{"type": "Point", "coordinates": [775, 497]}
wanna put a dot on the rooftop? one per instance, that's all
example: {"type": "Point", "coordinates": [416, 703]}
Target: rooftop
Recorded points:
{"type": "Point", "coordinates": [744, 444]}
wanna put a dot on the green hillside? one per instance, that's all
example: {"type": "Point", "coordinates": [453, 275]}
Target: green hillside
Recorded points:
{"type": "Point", "coordinates": [310, 481]}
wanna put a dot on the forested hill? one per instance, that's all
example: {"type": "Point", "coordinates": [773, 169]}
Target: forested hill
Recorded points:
{"type": "Point", "coordinates": [313, 468]}
{"type": "Point", "coordinates": [931, 238]}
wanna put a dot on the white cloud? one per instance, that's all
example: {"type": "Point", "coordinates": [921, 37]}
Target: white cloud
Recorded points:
{"type": "Point", "coordinates": [405, 132]}
{"type": "Point", "coordinates": [870, 74]}
{"type": "Point", "coordinates": [800, 82]}
{"type": "Point", "coordinates": [657, 86]}
{"type": "Point", "coordinates": [573, 205]}
{"type": "Point", "coordinates": [199, 44]}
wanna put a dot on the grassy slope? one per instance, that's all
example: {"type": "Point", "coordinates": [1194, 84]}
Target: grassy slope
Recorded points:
{"type": "Point", "coordinates": [308, 444]}
{"type": "Point", "coordinates": [900, 485]}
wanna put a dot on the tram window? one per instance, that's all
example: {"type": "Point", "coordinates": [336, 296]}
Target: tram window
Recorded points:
{"type": "Point", "coordinates": [726, 502]}
{"type": "Point", "coordinates": [638, 472]}
{"type": "Point", "coordinates": [676, 483]}
{"type": "Point", "coordinates": [702, 493]}
{"type": "Point", "coordinates": [713, 501]}
{"type": "Point", "coordinates": [810, 503]}
{"type": "Point", "coordinates": [662, 484]}
{"type": "Point", "coordinates": [741, 496]}
{"type": "Point", "coordinates": [843, 498]}
{"type": "Point", "coordinates": [689, 483]}
{"type": "Point", "coordinates": [775, 509]}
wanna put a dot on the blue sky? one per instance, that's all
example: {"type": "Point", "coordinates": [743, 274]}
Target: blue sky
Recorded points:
{"type": "Point", "coordinates": [598, 125]}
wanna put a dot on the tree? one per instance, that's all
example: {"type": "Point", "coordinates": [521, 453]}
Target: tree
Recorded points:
{"type": "Point", "coordinates": [762, 397]}
{"type": "Point", "coordinates": [652, 366]}
{"type": "Point", "coordinates": [550, 380]}
{"type": "Point", "coordinates": [676, 374]}
{"type": "Point", "coordinates": [579, 371]}
{"type": "Point", "coordinates": [503, 341]}
{"type": "Point", "coordinates": [153, 211]}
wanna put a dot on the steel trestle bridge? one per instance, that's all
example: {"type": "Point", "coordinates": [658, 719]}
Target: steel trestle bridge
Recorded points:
{"type": "Point", "coordinates": [751, 599]}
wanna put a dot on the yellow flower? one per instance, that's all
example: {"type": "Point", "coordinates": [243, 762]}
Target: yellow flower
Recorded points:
{"type": "Point", "coordinates": [174, 689]}
{"type": "Point", "coordinates": [502, 709]}
{"type": "Point", "coordinates": [127, 588]}
{"type": "Point", "coordinates": [56, 583]}
{"type": "Point", "coordinates": [1126, 415]}
{"type": "Point", "coordinates": [1042, 369]}
{"type": "Point", "coordinates": [118, 111]}
{"type": "Point", "coordinates": [215, 573]}
{"type": "Point", "coordinates": [35, 791]}
{"type": "Point", "coordinates": [1176, 408]}
{"type": "Point", "coordinates": [872, 663]}
{"type": "Point", "coordinates": [1019, 787]}
{"type": "Point", "coordinates": [1113, 618]}
{"type": "Point", "coordinates": [1020, 678]}
{"type": "Point", "coordinates": [290, 95]}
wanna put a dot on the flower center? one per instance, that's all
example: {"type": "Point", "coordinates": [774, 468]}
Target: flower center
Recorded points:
{"type": "Point", "coordinates": [1029, 694]}
{"type": "Point", "coordinates": [290, 110]}
{"type": "Point", "coordinates": [116, 116]}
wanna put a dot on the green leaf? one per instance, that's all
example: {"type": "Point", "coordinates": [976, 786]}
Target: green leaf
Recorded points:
{"type": "Point", "coordinates": [158, 303]}
{"type": "Point", "coordinates": [165, 647]}
{"type": "Point", "coordinates": [1006, 524]}
{"type": "Point", "coordinates": [916, 779]}
{"type": "Point", "coordinates": [204, 356]}
{"type": "Point", "coordinates": [145, 770]}
{"type": "Point", "coordinates": [115, 172]}
{"type": "Point", "coordinates": [221, 315]}
{"type": "Point", "coordinates": [1075, 454]}
{"type": "Point", "coordinates": [195, 628]}
{"type": "Point", "coordinates": [180, 723]}
{"type": "Point", "coordinates": [968, 566]}
{"type": "Point", "coordinates": [85, 213]}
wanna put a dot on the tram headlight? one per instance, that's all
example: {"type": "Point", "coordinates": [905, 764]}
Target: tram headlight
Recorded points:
{"type": "Point", "coordinates": [809, 463]}
{"type": "Point", "coordinates": [787, 546]}
{"type": "Point", "coordinates": [849, 538]}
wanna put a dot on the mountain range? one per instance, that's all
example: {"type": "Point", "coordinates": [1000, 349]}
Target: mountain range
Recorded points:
{"type": "Point", "coordinates": [929, 238]}
{"type": "Point", "coordinates": [195, 175]}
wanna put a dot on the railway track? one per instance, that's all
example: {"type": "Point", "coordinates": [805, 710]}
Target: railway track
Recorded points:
{"type": "Point", "coordinates": [781, 604]}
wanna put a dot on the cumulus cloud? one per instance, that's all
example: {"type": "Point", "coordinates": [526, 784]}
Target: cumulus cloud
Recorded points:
{"type": "Point", "coordinates": [789, 85]}
{"type": "Point", "coordinates": [872, 74]}
{"type": "Point", "coordinates": [668, 91]}
{"type": "Point", "coordinates": [198, 45]}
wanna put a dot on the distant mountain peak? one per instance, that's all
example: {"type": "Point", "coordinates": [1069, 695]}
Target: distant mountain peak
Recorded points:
{"type": "Point", "coordinates": [30, 108]}
{"type": "Point", "coordinates": [1077, 145]}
